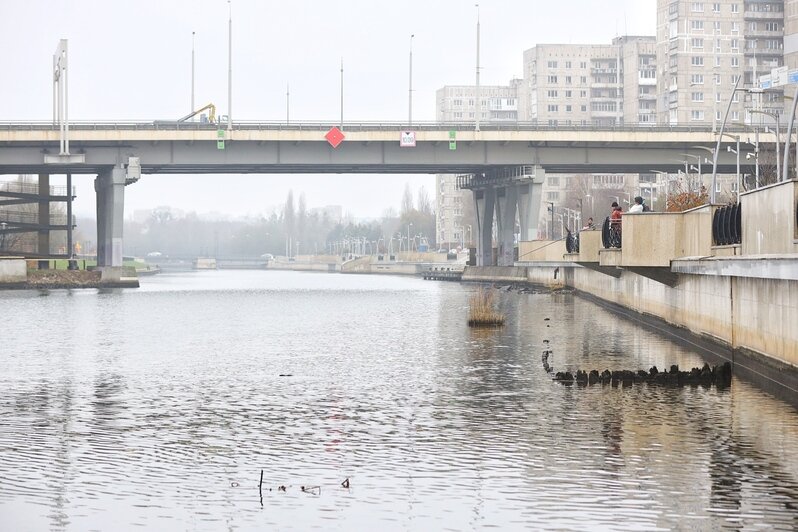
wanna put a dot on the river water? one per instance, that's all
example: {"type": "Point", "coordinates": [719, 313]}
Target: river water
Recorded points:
{"type": "Point", "coordinates": [160, 407]}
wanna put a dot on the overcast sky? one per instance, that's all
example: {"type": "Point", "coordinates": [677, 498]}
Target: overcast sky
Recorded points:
{"type": "Point", "coordinates": [131, 59]}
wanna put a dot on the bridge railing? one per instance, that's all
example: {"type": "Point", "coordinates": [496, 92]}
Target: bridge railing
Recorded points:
{"type": "Point", "coordinates": [17, 187]}
{"type": "Point", "coordinates": [355, 126]}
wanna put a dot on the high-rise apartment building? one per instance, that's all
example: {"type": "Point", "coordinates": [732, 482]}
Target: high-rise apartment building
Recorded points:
{"type": "Point", "coordinates": [703, 47]}
{"type": "Point", "coordinates": [590, 84]}
{"type": "Point", "coordinates": [791, 34]}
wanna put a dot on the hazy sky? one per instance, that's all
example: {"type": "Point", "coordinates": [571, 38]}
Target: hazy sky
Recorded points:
{"type": "Point", "coordinates": [131, 59]}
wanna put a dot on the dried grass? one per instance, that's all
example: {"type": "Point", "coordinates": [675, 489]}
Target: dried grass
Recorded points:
{"type": "Point", "coordinates": [482, 311]}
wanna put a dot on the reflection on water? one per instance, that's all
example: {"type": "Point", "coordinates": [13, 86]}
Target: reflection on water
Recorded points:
{"type": "Point", "coordinates": [159, 407]}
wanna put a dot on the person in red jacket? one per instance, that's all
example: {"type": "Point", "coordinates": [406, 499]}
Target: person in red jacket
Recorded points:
{"type": "Point", "coordinates": [615, 225]}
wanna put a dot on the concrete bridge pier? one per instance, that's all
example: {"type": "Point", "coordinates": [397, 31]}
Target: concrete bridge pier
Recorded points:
{"type": "Point", "coordinates": [506, 204]}
{"type": "Point", "coordinates": [110, 188]}
{"type": "Point", "coordinates": [511, 193]}
{"type": "Point", "coordinates": [43, 240]}
{"type": "Point", "coordinates": [484, 203]}
{"type": "Point", "coordinates": [529, 201]}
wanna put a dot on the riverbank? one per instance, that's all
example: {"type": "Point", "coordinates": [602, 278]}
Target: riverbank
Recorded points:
{"type": "Point", "coordinates": [15, 275]}
{"type": "Point", "coordinates": [723, 329]}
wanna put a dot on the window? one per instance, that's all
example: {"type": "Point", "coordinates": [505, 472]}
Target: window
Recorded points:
{"type": "Point", "coordinates": [552, 64]}
{"type": "Point", "coordinates": [567, 108]}
{"type": "Point", "coordinates": [696, 115]}
{"type": "Point", "coordinates": [735, 116]}
{"type": "Point", "coordinates": [567, 94]}
{"type": "Point", "coordinates": [584, 108]}
{"type": "Point", "coordinates": [697, 60]}
{"type": "Point", "coordinates": [697, 97]}
{"type": "Point", "coordinates": [716, 26]}
{"type": "Point", "coordinates": [717, 61]}
{"type": "Point", "coordinates": [553, 181]}
{"type": "Point", "coordinates": [717, 116]}
{"type": "Point", "coordinates": [458, 115]}
{"type": "Point", "coordinates": [698, 7]}
{"type": "Point", "coordinates": [735, 8]}
{"type": "Point", "coordinates": [553, 108]}
{"type": "Point", "coordinates": [567, 64]}
{"type": "Point", "coordinates": [735, 61]}
{"type": "Point", "coordinates": [583, 65]}
{"type": "Point", "coordinates": [583, 94]}
{"type": "Point", "coordinates": [457, 103]}
{"type": "Point", "coordinates": [697, 79]}
{"type": "Point", "coordinates": [697, 43]}
{"type": "Point", "coordinates": [735, 27]}
{"type": "Point", "coordinates": [583, 80]}
{"type": "Point", "coordinates": [553, 79]}
{"type": "Point", "coordinates": [735, 45]}
{"type": "Point", "coordinates": [697, 25]}
{"type": "Point", "coordinates": [568, 80]}
{"type": "Point", "coordinates": [716, 8]}
{"type": "Point", "coordinates": [717, 97]}
{"type": "Point", "coordinates": [553, 196]}
{"type": "Point", "coordinates": [772, 26]}
{"type": "Point", "coordinates": [552, 94]}
{"type": "Point", "coordinates": [717, 186]}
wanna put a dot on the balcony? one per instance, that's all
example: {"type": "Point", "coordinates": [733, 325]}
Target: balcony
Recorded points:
{"type": "Point", "coordinates": [764, 15]}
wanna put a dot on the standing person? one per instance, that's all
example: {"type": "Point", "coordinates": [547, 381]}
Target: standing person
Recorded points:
{"type": "Point", "coordinates": [638, 206]}
{"type": "Point", "coordinates": [615, 225]}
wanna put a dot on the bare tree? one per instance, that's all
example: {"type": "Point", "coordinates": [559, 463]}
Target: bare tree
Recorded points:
{"type": "Point", "coordinates": [424, 203]}
{"type": "Point", "coordinates": [407, 200]}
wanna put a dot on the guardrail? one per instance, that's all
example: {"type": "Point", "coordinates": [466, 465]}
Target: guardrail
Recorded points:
{"type": "Point", "coordinates": [324, 125]}
{"type": "Point", "coordinates": [32, 218]}
{"type": "Point", "coordinates": [16, 187]}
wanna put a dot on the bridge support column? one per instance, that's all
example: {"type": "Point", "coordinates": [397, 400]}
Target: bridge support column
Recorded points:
{"type": "Point", "coordinates": [43, 244]}
{"type": "Point", "coordinates": [506, 203]}
{"type": "Point", "coordinates": [110, 189]}
{"type": "Point", "coordinates": [484, 202]}
{"type": "Point", "coordinates": [529, 201]}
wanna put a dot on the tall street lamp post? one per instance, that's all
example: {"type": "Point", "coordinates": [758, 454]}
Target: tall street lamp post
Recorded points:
{"type": "Point", "coordinates": [478, 100]}
{"type": "Point", "coordinates": [230, 67]}
{"type": "Point", "coordinates": [410, 85]}
{"type": "Point", "coordinates": [775, 116]}
{"type": "Point", "coordinates": [789, 138]}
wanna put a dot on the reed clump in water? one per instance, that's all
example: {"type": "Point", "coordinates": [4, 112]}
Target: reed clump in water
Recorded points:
{"type": "Point", "coordinates": [482, 311]}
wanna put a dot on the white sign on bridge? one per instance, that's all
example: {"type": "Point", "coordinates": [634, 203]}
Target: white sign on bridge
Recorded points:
{"type": "Point", "coordinates": [407, 139]}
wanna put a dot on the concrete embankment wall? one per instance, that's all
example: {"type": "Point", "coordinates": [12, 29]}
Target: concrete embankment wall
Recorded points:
{"type": "Point", "coordinates": [13, 270]}
{"type": "Point", "coordinates": [304, 266]}
{"type": "Point", "coordinates": [747, 320]}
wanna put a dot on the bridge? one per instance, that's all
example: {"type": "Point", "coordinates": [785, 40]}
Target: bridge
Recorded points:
{"type": "Point", "coordinates": [509, 161]}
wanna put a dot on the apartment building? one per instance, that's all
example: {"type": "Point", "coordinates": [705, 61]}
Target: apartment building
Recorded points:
{"type": "Point", "coordinates": [702, 49]}
{"type": "Point", "coordinates": [791, 34]}
{"type": "Point", "coordinates": [457, 103]}
{"type": "Point", "coordinates": [587, 84]}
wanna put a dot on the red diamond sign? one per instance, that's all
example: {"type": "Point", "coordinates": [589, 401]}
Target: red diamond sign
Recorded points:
{"type": "Point", "coordinates": [335, 137]}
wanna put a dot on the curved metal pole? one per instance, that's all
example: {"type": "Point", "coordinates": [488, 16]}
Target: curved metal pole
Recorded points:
{"type": "Point", "coordinates": [720, 137]}
{"type": "Point", "coordinates": [785, 167]}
